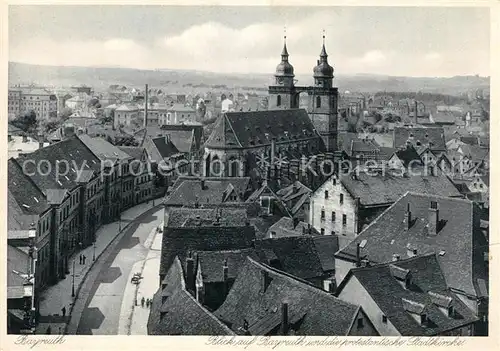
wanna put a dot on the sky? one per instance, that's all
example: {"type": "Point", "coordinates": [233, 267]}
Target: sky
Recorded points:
{"type": "Point", "coordinates": [401, 41]}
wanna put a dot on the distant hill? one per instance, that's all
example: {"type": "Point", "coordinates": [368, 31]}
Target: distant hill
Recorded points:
{"type": "Point", "coordinates": [188, 81]}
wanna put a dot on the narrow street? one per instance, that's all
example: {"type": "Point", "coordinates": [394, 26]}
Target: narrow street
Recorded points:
{"type": "Point", "coordinates": [102, 309]}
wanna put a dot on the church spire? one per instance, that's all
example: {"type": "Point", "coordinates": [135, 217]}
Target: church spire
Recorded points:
{"type": "Point", "coordinates": [284, 53]}
{"type": "Point", "coordinates": [323, 54]}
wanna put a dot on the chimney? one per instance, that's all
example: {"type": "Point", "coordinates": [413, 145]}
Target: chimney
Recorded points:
{"type": "Point", "coordinates": [146, 99]}
{"type": "Point", "coordinates": [332, 287]}
{"type": "Point", "coordinates": [10, 138]}
{"type": "Point", "coordinates": [433, 218]}
{"type": "Point", "coordinates": [284, 318]}
{"type": "Point", "coordinates": [295, 222]}
{"type": "Point", "coordinates": [273, 234]}
{"type": "Point", "coordinates": [190, 279]}
{"type": "Point", "coordinates": [25, 139]}
{"type": "Point", "coordinates": [167, 138]}
{"type": "Point", "coordinates": [365, 263]}
{"type": "Point", "coordinates": [408, 218]}
{"type": "Point", "coordinates": [358, 255]}
{"type": "Point", "coordinates": [395, 257]}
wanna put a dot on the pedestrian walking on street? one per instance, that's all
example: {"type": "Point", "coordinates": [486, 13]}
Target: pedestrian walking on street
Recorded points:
{"type": "Point", "coordinates": [142, 301]}
{"type": "Point", "coordinates": [49, 330]}
{"type": "Point", "coordinates": [81, 259]}
{"type": "Point", "coordinates": [63, 310]}
{"type": "Point", "coordinates": [136, 301]}
{"type": "Point", "coordinates": [84, 259]}
{"type": "Point", "coordinates": [148, 303]}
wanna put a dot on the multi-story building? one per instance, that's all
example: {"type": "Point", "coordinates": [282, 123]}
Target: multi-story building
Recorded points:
{"type": "Point", "coordinates": [41, 101]}
{"type": "Point", "coordinates": [345, 204]}
{"type": "Point", "coordinates": [125, 114]}
{"type": "Point", "coordinates": [168, 114]}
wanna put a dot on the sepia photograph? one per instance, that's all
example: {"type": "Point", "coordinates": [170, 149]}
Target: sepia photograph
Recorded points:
{"type": "Point", "coordinates": [247, 170]}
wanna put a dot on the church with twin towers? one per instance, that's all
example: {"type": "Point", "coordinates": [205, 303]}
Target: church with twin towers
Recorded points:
{"type": "Point", "coordinates": [239, 139]}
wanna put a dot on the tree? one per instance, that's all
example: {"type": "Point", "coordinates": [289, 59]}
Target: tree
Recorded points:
{"type": "Point", "coordinates": [26, 122]}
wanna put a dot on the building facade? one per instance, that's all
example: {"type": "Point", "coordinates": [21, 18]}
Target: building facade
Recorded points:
{"type": "Point", "coordinates": [23, 100]}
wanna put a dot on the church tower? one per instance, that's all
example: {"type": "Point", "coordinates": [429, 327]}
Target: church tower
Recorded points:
{"type": "Point", "coordinates": [282, 93]}
{"type": "Point", "coordinates": [323, 99]}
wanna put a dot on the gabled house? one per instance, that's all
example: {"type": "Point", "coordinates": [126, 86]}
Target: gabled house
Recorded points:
{"type": "Point", "coordinates": [345, 204]}
{"type": "Point", "coordinates": [408, 297]}
{"type": "Point", "coordinates": [418, 224]}
{"type": "Point", "coordinates": [265, 301]}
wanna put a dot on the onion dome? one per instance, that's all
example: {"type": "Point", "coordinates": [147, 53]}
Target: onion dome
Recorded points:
{"type": "Point", "coordinates": [284, 69]}
{"type": "Point", "coordinates": [323, 69]}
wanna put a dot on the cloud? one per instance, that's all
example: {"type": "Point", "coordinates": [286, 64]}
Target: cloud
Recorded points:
{"type": "Point", "coordinates": [255, 48]}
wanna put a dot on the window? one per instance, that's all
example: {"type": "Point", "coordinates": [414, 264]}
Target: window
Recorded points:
{"type": "Point", "coordinates": [333, 216]}
{"type": "Point", "coordinates": [326, 194]}
{"type": "Point", "coordinates": [341, 199]}
{"type": "Point", "coordinates": [278, 100]}
{"type": "Point", "coordinates": [384, 319]}
{"type": "Point", "coordinates": [344, 220]}
{"type": "Point", "coordinates": [318, 101]}
{"type": "Point", "coordinates": [360, 323]}
{"type": "Point", "coordinates": [322, 215]}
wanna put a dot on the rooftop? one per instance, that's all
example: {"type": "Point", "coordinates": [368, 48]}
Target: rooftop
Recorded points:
{"type": "Point", "coordinates": [248, 129]}
{"type": "Point", "coordinates": [310, 310]}
{"type": "Point", "coordinates": [458, 240]}
{"type": "Point", "coordinates": [174, 311]}
{"type": "Point", "coordinates": [188, 191]}
{"type": "Point", "coordinates": [427, 293]}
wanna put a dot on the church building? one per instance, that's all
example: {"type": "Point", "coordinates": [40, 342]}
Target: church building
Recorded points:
{"type": "Point", "coordinates": [243, 141]}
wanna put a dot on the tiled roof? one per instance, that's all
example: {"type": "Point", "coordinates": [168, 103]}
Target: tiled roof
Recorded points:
{"type": "Point", "coordinates": [375, 188]}
{"type": "Point", "coordinates": [459, 240]}
{"type": "Point", "coordinates": [285, 228]}
{"type": "Point", "coordinates": [187, 191]}
{"type": "Point", "coordinates": [27, 195]}
{"type": "Point", "coordinates": [159, 148]}
{"type": "Point", "coordinates": [300, 256]}
{"type": "Point", "coordinates": [182, 314]}
{"type": "Point", "coordinates": [185, 216]}
{"type": "Point", "coordinates": [311, 311]}
{"type": "Point", "coordinates": [72, 150]}
{"type": "Point", "coordinates": [212, 263]}
{"type": "Point", "coordinates": [182, 139]}
{"type": "Point", "coordinates": [426, 294]}
{"type": "Point", "coordinates": [408, 155]}
{"type": "Point", "coordinates": [177, 241]}
{"type": "Point", "coordinates": [424, 135]}
{"type": "Point", "coordinates": [247, 129]}
{"type": "Point", "coordinates": [102, 149]}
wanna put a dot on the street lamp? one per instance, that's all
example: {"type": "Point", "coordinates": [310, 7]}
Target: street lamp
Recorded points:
{"type": "Point", "coordinates": [93, 256]}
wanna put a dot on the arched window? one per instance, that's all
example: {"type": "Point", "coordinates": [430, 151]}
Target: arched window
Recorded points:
{"type": "Point", "coordinates": [278, 100]}
{"type": "Point", "coordinates": [318, 101]}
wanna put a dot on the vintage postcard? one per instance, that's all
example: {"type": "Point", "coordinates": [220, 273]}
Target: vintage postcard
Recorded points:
{"type": "Point", "coordinates": [250, 175]}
